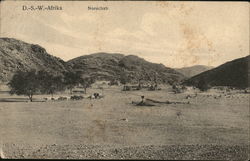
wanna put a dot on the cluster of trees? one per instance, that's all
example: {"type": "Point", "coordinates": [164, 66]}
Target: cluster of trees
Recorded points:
{"type": "Point", "coordinates": [152, 78]}
{"type": "Point", "coordinates": [42, 82]}
{"type": "Point", "coordinates": [203, 85]}
{"type": "Point", "coordinates": [178, 88]}
{"type": "Point", "coordinates": [143, 76]}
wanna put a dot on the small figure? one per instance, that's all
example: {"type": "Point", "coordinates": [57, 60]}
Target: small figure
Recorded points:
{"type": "Point", "coordinates": [142, 97]}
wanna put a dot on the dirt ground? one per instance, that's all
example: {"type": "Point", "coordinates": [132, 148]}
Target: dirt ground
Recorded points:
{"type": "Point", "coordinates": [214, 125]}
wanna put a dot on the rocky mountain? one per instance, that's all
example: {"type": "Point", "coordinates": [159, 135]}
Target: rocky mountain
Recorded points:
{"type": "Point", "coordinates": [235, 73]}
{"type": "Point", "coordinates": [193, 70]}
{"type": "Point", "coordinates": [113, 66]}
{"type": "Point", "coordinates": [18, 55]}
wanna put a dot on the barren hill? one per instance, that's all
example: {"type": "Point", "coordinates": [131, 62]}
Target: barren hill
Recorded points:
{"type": "Point", "coordinates": [235, 73]}
{"type": "Point", "coordinates": [113, 66]}
{"type": "Point", "coordinates": [18, 55]}
{"type": "Point", "coordinates": [193, 70]}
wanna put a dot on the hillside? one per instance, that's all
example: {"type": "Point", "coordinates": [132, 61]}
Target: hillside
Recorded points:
{"type": "Point", "coordinates": [18, 55]}
{"type": "Point", "coordinates": [114, 66]}
{"type": "Point", "coordinates": [193, 70]}
{"type": "Point", "coordinates": [235, 73]}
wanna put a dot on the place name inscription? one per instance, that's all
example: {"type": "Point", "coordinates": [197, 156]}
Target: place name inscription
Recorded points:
{"type": "Point", "coordinates": [41, 8]}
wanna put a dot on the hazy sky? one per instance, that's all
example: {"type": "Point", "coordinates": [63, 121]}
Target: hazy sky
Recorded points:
{"type": "Point", "coordinates": [176, 34]}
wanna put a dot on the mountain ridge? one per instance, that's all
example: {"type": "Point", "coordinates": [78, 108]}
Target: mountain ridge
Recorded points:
{"type": "Point", "coordinates": [193, 70]}
{"type": "Point", "coordinates": [234, 73]}
{"type": "Point", "coordinates": [113, 65]}
{"type": "Point", "coordinates": [18, 55]}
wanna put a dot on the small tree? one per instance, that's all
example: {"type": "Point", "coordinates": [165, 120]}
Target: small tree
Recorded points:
{"type": "Point", "coordinates": [53, 85]}
{"type": "Point", "coordinates": [25, 83]}
{"type": "Point", "coordinates": [49, 83]}
{"type": "Point", "coordinates": [86, 83]}
{"type": "Point", "coordinates": [124, 79]}
{"type": "Point", "coordinates": [71, 79]}
{"type": "Point", "coordinates": [155, 80]}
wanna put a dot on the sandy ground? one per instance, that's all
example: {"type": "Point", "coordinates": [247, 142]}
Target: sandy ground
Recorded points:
{"type": "Point", "coordinates": [114, 128]}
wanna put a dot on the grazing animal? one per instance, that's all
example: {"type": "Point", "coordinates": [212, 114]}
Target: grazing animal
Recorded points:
{"type": "Point", "coordinates": [96, 96]}
{"type": "Point", "coordinates": [216, 97]}
{"type": "Point", "coordinates": [47, 98]}
{"type": "Point", "coordinates": [54, 98]}
{"type": "Point", "coordinates": [76, 97]}
{"type": "Point", "coordinates": [62, 98]}
{"type": "Point", "coordinates": [91, 96]}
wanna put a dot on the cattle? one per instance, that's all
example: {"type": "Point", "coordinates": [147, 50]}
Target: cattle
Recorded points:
{"type": "Point", "coordinates": [62, 98]}
{"type": "Point", "coordinates": [48, 98]}
{"type": "Point", "coordinates": [191, 96]}
{"type": "Point", "coordinates": [75, 97]}
{"type": "Point", "coordinates": [216, 97]}
{"type": "Point", "coordinates": [96, 96]}
{"type": "Point", "coordinates": [91, 97]}
{"type": "Point", "coordinates": [54, 98]}
{"type": "Point", "coordinates": [51, 98]}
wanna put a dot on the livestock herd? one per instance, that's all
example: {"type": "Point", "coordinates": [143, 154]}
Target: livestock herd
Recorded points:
{"type": "Point", "coordinates": [74, 97]}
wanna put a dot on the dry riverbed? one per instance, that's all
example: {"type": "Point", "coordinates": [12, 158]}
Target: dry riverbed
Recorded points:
{"type": "Point", "coordinates": [209, 127]}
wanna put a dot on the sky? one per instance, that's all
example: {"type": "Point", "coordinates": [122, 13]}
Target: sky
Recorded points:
{"type": "Point", "coordinates": [176, 34]}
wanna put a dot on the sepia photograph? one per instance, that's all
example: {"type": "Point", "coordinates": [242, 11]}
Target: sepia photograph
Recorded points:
{"type": "Point", "coordinates": [155, 80]}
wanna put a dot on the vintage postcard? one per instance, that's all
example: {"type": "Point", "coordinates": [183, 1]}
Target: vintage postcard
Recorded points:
{"type": "Point", "coordinates": [124, 80]}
